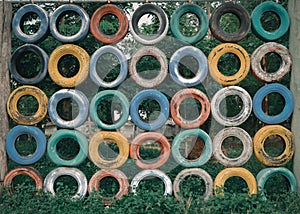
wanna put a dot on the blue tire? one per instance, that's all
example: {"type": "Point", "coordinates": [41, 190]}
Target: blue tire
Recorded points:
{"type": "Point", "coordinates": [40, 140]}
{"type": "Point", "coordinates": [164, 109]}
{"type": "Point", "coordinates": [206, 153]}
{"type": "Point", "coordinates": [276, 8]}
{"type": "Point", "coordinates": [61, 134]}
{"type": "Point", "coordinates": [75, 95]}
{"type": "Point", "coordinates": [18, 54]}
{"type": "Point", "coordinates": [123, 66]}
{"type": "Point", "coordinates": [262, 93]}
{"type": "Point", "coordinates": [85, 23]}
{"type": "Point", "coordinates": [201, 15]}
{"type": "Point", "coordinates": [44, 25]}
{"type": "Point", "coordinates": [202, 63]}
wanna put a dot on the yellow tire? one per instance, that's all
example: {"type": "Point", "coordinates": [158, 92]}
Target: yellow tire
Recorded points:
{"type": "Point", "coordinates": [98, 159]}
{"type": "Point", "coordinates": [84, 61]}
{"type": "Point", "coordinates": [259, 141]}
{"type": "Point", "coordinates": [215, 56]}
{"type": "Point", "coordinates": [17, 94]}
{"type": "Point", "coordinates": [227, 173]}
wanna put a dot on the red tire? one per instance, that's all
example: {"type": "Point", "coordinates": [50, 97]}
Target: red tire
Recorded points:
{"type": "Point", "coordinates": [156, 162]}
{"type": "Point", "coordinates": [99, 14]}
{"type": "Point", "coordinates": [115, 173]}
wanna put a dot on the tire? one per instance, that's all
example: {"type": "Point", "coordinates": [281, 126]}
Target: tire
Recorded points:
{"type": "Point", "coordinates": [96, 19]}
{"type": "Point", "coordinates": [84, 61]}
{"type": "Point", "coordinates": [262, 51]}
{"type": "Point", "coordinates": [149, 8]}
{"type": "Point", "coordinates": [42, 32]}
{"type": "Point", "coordinates": [24, 170]}
{"type": "Point", "coordinates": [188, 51]}
{"type": "Point", "coordinates": [94, 184]}
{"type": "Point", "coordinates": [17, 94]}
{"type": "Point", "coordinates": [77, 96]}
{"type": "Point", "coordinates": [57, 137]}
{"type": "Point", "coordinates": [237, 119]}
{"type": "Point", "coordinates": [243, 136]}
{"type": "Point", "coordinates": [151, 173]}
{"type": "Point", "coordinates": [154, 95]}
{"type": "Point", "coordinates": [67, 171]}
{"type": "Point", "coordinates": [65, 9]}
{"type": "Point", "coordinates": [17, 56]}
{"type": "Point", "coordinates": [123, 66]}
{"type": "Point", "coordinates": [39, 138]}
{"type": "Point", "coordinates": [262, 93]}
{"type": "Point", "coordinates": [149, 51]}
{"type": "Point", "coordinates": [265, 174]}
{"type": "Point", "coordinates": [205, 155]}
{"type": "Point", "coordinates": [179, 97]}
{"type": "Point", "coordinates": [272, 130]}
{"type": "Point", "coordinates": [227, 173]}
{"type": "Point", "coordinates": [100, 97]}
{"type": "Point", "coordinates": [100, 161]}
{"type": "Point", "coordinates": [199, 13]}
{"type": "Point", "coordinates": [142, 138]}
{"type": "Point", "coordinates": [214, 57]}
{"type": "Point", "coordinates": [235, 9]}
{"type": "Point", "coordinates": [208, 181]}
{"type": "Point", "coordinates": [282, 14]}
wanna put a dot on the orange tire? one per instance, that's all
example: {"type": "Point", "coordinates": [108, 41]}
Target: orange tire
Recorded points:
{"type": "Point", "coordinates": [215, 56]}
{"type": "Point", "coordinates": [84, 63]}
{"type": "Point", "coordinates": [179, 97]}
{"type": "Point", "coordinates": [17, 94]}
{"type": "Point", "coordinates": [30, 171]}
{"type": "Point", "coordinates": [122, 179]}
{"type": "Point", "coordinates": [156, 162]}
{"type": "Point", "coordinates": [99, 14]}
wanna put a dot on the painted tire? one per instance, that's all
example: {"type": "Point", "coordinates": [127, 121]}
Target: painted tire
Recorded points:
{"type": "Point", "coordinates": [227, 173]}
{"type": "Point", "coordinates": [99, 14]}
{"type": "Point", "coordinates": [123, 66]}
{"type": "Point", "coordinates": [15, 59]}
{"type": "Point", "coordinates": [243, 136]}
{"type": "Point", "coordinates": [208, 181]}
{"type": "Point", "coordinates": [164, 108]}
{"type": "Point", "coordinates": [179, 97]}
{"type": "Point", "coordinates": [84, 61]}
{"type": "Point", "coordinates": [202, 71]}
{"type": "Point", "coordinates": [58, 136]}
{"type": "Point", "coordinates": [262, 93]}
{"type": "Point", "coordinates": [151, 173]}
{"type": "Point", "coordinates": [43, 29]}
{"type": "Point", "coordinates": [140, 139]}
{"type": "Point", "coordinates": [101, 96]}
{"type": "Point", "coordinates": [149, 51]}
{"type": "Point", "coordinates": [221, 95]}
{"type": "Point", "coordinates": [235, 9]}
{"type": "Point", "coordinates": [67, 171]}
{"type": "Point", "coordinates": [76, 96]}
{"type": "Point", "coordinates": [39, 138]}
{"type": "Point", "coordinates": [94, 184]}
{"type": "Point", "coordinates": [259, 141]}
{"type": "Point", "coordinates": [199, 13]}
{"type": "Point", "coordinates": [101, 162]}
{"type": "Point", "coordinates": [282, 14]}
{"type": "Point", "coordinates": [205, 155]}
{"type": "Point", "coordinates": [163, 27]}
{"type": "Point", "coordinates": [17, 94]}
{"type": "Point", "coordinates": [261, 51]}
{"type": "Point", "coordinates": [214, 57]}
{"type": "Point", "coordinates": [24, 170]}
{"type": "Point", "coordinates": [65, 9]}
{"type": "Point", "coordinates": [265, 174]}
